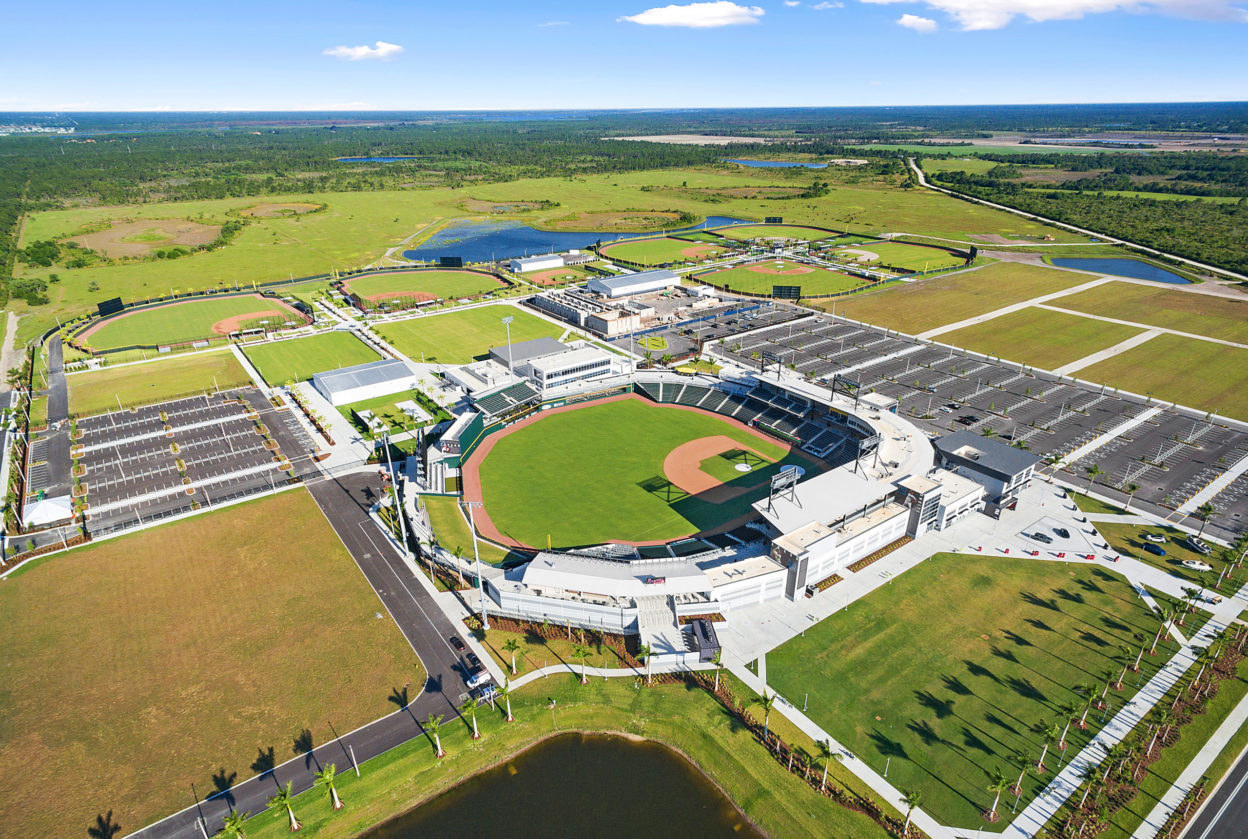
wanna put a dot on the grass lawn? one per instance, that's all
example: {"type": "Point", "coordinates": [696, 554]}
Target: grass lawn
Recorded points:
{"type": "Point", "coordinates": [773, 231]}
{"type": "Point", "coordinates": [1088, 504]}
{"type": "Point", "coordinates": [557, 475]}
{"type": "Point", "coordinates": [699, 365]}
{"type": "Point", "coordinates": [186, 321]}
{"type": "Point", "coordinates": [654, 343]}
{"type": "Point", "coordinates": [98, 391]}
{"type": "Point", "coordinates": [972, 165]}
{"type": "Point", "coordinates": [947, 669]}
{"type": "Point", "coordinates": [1128, 539]}
{"type": "Point", "coordinates": [536, 652]}
{"type": "Point", "coordinates": [912, 257]}
{"type": "Point", "coordinates": [1200, 374]}
{"type": "Point", "coordinates": [438, 283]}
{"type": "Point", "coordinates": [208, 639]}
{"type": "Point", "coordinates": [452, 530]}
{"type": "Point", "coordinates": [658, 251]}
{"type": "Point", "coordinates": [814, 281]}
{"type": "Point", "coordinates": [1039, 337]}
{"type": "Point", "coordinates": [689, 721]}
{"type": "Point", "coordinates": [1201, 314]}
{"type": "Point", "coordinates": [919, 306]}
{"type": "Point", "coordinates": [298, 359]}
{"type": "Point", "coordinates": [459, 337]}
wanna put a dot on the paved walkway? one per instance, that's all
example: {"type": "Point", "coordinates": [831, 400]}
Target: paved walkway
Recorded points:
{"type": "Point", "coordinates": [1013, 307]}
{"type": "Point", "coordinates": [1108, 352]}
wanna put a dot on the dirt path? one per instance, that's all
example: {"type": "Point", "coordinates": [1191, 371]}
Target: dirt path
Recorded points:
{"type": "Point", "coordinates": [10, 357]}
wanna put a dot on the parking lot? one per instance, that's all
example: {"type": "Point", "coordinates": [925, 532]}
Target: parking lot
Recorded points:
{"type": "Point", "coordinates": [160, 460]}
{"type": "Point", "coordinates": [1171, 455]}
{"type": "Point", "coordinates": [685, 338]}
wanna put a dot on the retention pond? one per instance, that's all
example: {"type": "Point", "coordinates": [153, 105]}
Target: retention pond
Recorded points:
{"type": "Point", "coordinates": [1135, 268]}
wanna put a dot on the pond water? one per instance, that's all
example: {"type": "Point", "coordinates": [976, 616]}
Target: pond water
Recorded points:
{"type": "Point", "coordinates": [1119, 267]}
{"type": "Point", "coordinates": [778, 164]}
{"type": "Point", "coordinates": [575, 786]}
{"type": "Point", "coordinates": [372, 159]}
{"type": "Point", "coordinates": [485, 241]}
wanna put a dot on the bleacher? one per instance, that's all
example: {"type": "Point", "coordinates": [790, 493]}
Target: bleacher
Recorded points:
{"type": "Point", "coordinates": [691, 395]}
{"type": "Point", "coordinates": [507, 400]}
{"type": "Point", "coordinates": [651, 389]}
{"type": "Point", "coordinates": [822, 443]}
{"type": "Point", "coordinates": [714, 401]}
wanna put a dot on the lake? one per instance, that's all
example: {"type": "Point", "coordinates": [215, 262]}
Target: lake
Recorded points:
{"type": "Point", "coordinates": [576, 786]}
{"type": "Point", "coordinates": [486, 241]}
{"type": "Point", "coordinates": [778, 164]}
{"type": "Point", "coordinates": [1119, 267]}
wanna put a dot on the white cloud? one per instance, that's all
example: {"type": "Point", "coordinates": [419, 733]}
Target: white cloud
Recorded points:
{"type": "Point", "coordinates": [555, 23]}
{"type": "Point", "coordinates": [792, 3]}
{"type": "Point", "coordinates": [697, 15]}
{"type": "Point", "coordinates": [918, 24]}
{"type": "Point", "coordinates": [382, 51]}
{"type": "Point", "coordinates": [995, 14]}
{"type": "Point", "coordinates": [824, 6]}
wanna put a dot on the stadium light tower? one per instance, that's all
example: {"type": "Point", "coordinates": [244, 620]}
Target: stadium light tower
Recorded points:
{"type": "Point", "coordinates": [398, 499]}
{"type": "Point", "coordinates": [476, 555]}
{"type": "Point", "coordinates": [507, 323]}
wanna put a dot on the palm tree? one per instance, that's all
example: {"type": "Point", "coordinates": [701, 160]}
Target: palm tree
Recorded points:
{"type": "Point", "coordinates": [459, 565]}
{"type": "Point", "coordinates": [1165, 614]}
{"type": "Point", "coordinates": [1068, 711]}
{"type": "Point", "coordinates": [469, 707]}
{"type": "Point", "coordinates": [643, 652]}
{"type": "Point", "coordinates": [512, 646]}
{"type": "Point", "coordinates": [767, 701]}
{"type": "Point", "coordinates": [911, 798]}
{"type": "Point", "coordinates": [1094, 471]}
{"type": "Point", "coordinates": [1023, 763]}
{"type": "Point", "coordinates": [999, 784]}
{"type": "Point", "coordinates": [718, 661]}
{"type": "Point", "coordinates": [1131, 489]}
{"type": "Point", "coordinates": [1161, 721]}
{"type": "Point", "coordinates": [1190, 595]}
{"type": "Point", "coordinates": [1088, 691]}
{"type": "Point", "coordinates": [232, 826]}
{"type": "Point", "coordinates": [282, 799]}
{"type": "Point", "coordinates": [582, 652]}
{"type": "Point", "coordinates": [432, 724]}
{"type": "Point", "coordinates": [1124, 655]}
{"type": "Point", "coordinates": [1050, 732]}
{"type": "Point", "coordinates": [505, 693]}
{"type": "Point", "coordinates": [1204, 511]}
{"type": "Point", "coordinates": [325, 778]}
{"type": "Point", "coordinates": [825, 754]}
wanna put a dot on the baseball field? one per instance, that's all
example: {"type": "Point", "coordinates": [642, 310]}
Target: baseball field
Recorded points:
{"type": "Point", "coordinates": [459, 337]}
{"type": "Point", "coordinates": [760, 277]}
{"type": "Point", "coordinates": [774, 231]}
{"type": "Point", "coordinates": [298, 359]}
{"type": "Point", "coordinates": [909, 257]}
{"type": "Point", "coordinates": [188, 320]}
{"type": "Point", "coordinates": [422, 285]}
{"type": "Point", "coordinates": [112, 388]}
{"type": "Point", "coordinates": [624, 470]}
{"type": "Point", "coordinates": [662, 250]}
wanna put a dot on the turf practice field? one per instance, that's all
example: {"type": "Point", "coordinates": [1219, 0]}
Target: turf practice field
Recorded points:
{"type": "Point", "coordinates": [1199, 314]}
{"type": "Point", "coordinates": [760, 277]}
{"type": "Point", "coordinates": [1199, 374]}
{"type": "Point", "coordinates": [623, 470]}
{"type": "Point", "coordinates": [459, 337]}
{"type": "Point", "coordinates": [926, 304]}
{"type": "Point", "coordinates": [293, 361]}
{"type": "Point", "coordinates": [422, 285]}
{"type": "Point", "coordinates": [99, 391]}
{"type": "Point", "coordinates": [947, 669]}
{"type": "Point", "coordinates": [188, 321]}
{"type": "Point", "coordinates": [659, 251]}
{"type": "Point", "coordinates": [1040, 337]}
{"type": "Point", "coordinates": [179, 652]}
{"type": "Point", "coordinates": [774, 231]}
{"type": "Point", "coordinates": [912, 257]}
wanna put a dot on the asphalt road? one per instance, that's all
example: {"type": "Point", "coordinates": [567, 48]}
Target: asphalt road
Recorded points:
{"type": "Point", "coordinates": [345, 502]}
{"type": "Point", "coordinates": [1225, 814]}
{"type": "Point", "coordinates": [58, 390]}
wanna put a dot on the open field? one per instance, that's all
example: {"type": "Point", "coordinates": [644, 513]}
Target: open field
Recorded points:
{"type": "Point", "coordinates": [208, 639]}
{"type": "Point", "coordinates": [1039, 337]}
{"type": "Point", "coordinates": [774, 231]}
{"type": "Point", "coordinates": [187, 321]}
{"type": "Point", "coordinates": [459, 337]}
{"type": "Point", "coordinates": [1200, 314]}
{"type": "Point", "coordinates": [270, 210]}
{"type": "Point", "coordinates": [1200, 374]}
{"type": "Point", "coordinates": [140, 238]}
{"type": "Point", "coordinates": [658, 251]}
{"type": "Point", "coordinates": [557, 475]}
{"type": "Point", "coordinates": [947, 669]}
{"type": "Point", "coordinates": [422, 285]}
{"type": "Point", "coordinates": [298, 359]}
{"type": "Point", "coordinates": [99, 391]}
{"type": "Point", "coordinates": [760, 277]}
{"type": "Point", "coordinates": [1128, 539]}
{"type": "Point", "coordinates": [917, 307]}
{"type": "Point", "coordinates": [452, 529]}
{"type": "Point", "coordinates": [972, 165]}
{"type": "Point", "coordinates": [913, 257]}
{"type": "Point", "coordinates": [1088, 504]}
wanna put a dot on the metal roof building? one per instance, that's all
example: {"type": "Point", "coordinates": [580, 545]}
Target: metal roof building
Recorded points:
{"type": "Point", "coordinates": [628, 284]}
{"type": "Point", "coordinates": [364, 381]}
{"type": "Point", "coordinates": [536, 263]}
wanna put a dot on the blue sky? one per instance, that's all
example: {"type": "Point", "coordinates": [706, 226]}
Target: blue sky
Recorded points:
{"type": "Point", "coordinates": [279, 54]}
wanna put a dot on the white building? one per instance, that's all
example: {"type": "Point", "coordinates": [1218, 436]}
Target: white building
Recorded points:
{"type": "Point", "coordinates": [536, 263]}
{"type": "Point", "coordinates": [550, 364]}
{"type": "Point", "coordinates": [1001, 469]}
{"type": "Point", "coordinates": [364, 381]}
{"type": "Point", "coordinates": [628, 284]}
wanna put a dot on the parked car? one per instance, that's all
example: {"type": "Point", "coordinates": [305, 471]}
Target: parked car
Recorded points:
{"type": "Point", "coordinates": [1062, 532]}
{"type": "Point", "coordinates": [945, 409]}
{"type": "Point", "coordinates": [1042, 537]}
{"type": "Point", "coordinates": [1155, 538]}
{"type": "Point", "coordinates": [1155, 550]}
{"type": "Point", "coordinates": [456, 643]}
{"type": "Point", "coordinates": [968, 419]}
{"type": "Point", "coordinates": [473, 661]}
{"type": "Point", "coordinates": [1197, 565]}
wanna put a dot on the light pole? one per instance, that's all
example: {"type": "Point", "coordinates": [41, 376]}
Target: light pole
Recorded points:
{"type": "Point", "coordinates": [476, 555]}
{"type": "Point", "coordinates": [507, 323]}
{"type": "Point", "coordinates": [398, 500]}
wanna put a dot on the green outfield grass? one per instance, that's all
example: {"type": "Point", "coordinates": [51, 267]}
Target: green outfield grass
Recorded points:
{"type": "Point", "coordinates": [100, 391]}
{"type": "Point", "coordinates": [815, 282]}
{"type": "Point", "coordinates": [186, 321]}
{"type": "Point", "coordinates": [700, 236]}
{"type": "Point", "coordinates": [560, 475]}
{"type": "Point", "coordinates": [459, 337]}
{"type": "Point", "coordinates": [179, 651]}
{"type": "Point", "coordinates": [1200, 374]}
{"type": "Point", "coordinates": [281, 362]}
{"type": "Point", "coordinates": [912, 257]}
{"type": "Point", "coordinates": [1040, 337]}
{"type": "Point", "coordinates": [444, 285]}
{"type": "Point", "coordinates": [1200, 314]}
{"type": "Point", "coordinates": [919, 306]}
{"type": "Point", "coordinates": [944, 672]}
{"type": "Point", "coordinates": [778, 231]}
{"type": "Point", "coordinates": [659, 251]}
{"type": "Point", "coordinates": [452, 531]}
